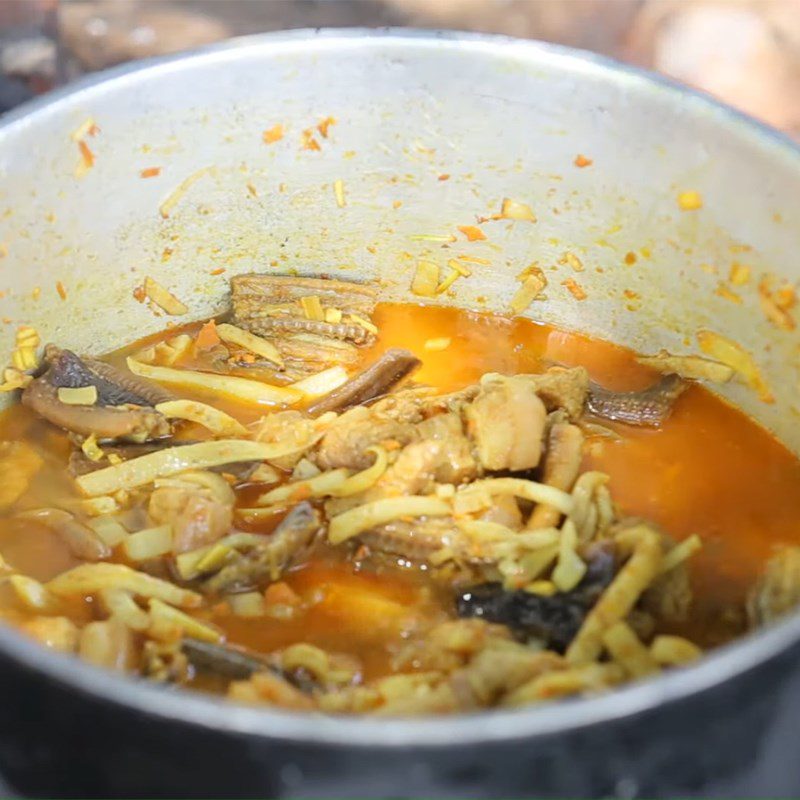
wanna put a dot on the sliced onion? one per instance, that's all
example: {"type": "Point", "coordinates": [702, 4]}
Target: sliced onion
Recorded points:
{"type": "Point", "coordinates": [109, 529]}
{"type": "Point", "coordinates": [208, 558]}
{"type": "Point", "coordinates": [367, 478]}
{"type": "Point", "coordinates": [149, 543]}
{"type": "Point", "coordinates": [570, 567]}
{"type": "Point", "coordinates": [357, 520]}
{"type": "Point", "coordinates": [249, 341]}
{"type": "Point", "coordinates": [528, 490]}
{"type": "Point", "coordinates": [120, 604]}
{"type": "Point", "coordinates": [248, 604]}
{"type": "Point", "coordinates": [242, 389]}
{"type": "Point", "coordinates": [168, 623]}
{"type": "Point", "coordinates": [172, 460]}
{"type": "Point", "coordinates": [323, 484]}
{"type": "Point", "coordinates": [33, 594]}
{"type": "Point", "coordinates": [218, 422]}
{"type": "Point", "coordinates": [321, 382]}
{"type": "Point", "coordinates": [89, 579]}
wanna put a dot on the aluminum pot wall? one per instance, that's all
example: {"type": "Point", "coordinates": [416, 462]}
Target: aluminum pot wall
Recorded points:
{"type": "Point", "coordinates": [502, 119]}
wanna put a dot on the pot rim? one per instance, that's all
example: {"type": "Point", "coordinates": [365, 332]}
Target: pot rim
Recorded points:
{"type": "Point", "coordinates": [723, 664]}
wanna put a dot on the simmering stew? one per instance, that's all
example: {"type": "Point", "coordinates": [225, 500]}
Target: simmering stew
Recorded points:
{"type": "Point", "coordinates": [323, 502]}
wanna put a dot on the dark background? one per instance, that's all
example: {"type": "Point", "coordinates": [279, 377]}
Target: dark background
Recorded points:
{"type": "Point", "coordinates": [747, 52]}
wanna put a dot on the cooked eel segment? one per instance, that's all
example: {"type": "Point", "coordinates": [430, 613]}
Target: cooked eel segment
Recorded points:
{"type": "Point", "coordinates": [377, 379]}
{"type": "Point", "coordinates": [124, 405]}
{"type": "Point", "coordinates": [280, 549]}
{"type": "Point", "coordinates": [310, 320]}
{"type": "Point", "coordinates": [649, 407]}
{"type": "Point", "coordinates": [225, 660]}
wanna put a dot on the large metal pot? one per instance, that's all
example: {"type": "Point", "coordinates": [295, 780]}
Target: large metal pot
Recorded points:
{"type": "Point", "coordinates": [502, 118]}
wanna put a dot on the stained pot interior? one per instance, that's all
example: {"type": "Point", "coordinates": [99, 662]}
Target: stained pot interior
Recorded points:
{"type": "Point", "coordinates": [501, 118]}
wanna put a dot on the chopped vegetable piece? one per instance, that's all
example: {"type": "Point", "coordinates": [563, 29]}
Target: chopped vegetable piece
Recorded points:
{"type": "Point", "coordinates": [163, 298]}
{"type": "Point", "coordinates": [89, 579]}
{"type": "Point", "coordinates": [571, 260]}
{"type": "Point", "coordinates": [324, 125]}
{"type": "Point", "coordinates": [473, 233]}
{"type": "Point", "coordinates": [531, 288]}
{"type": "Point", "coordinates": [437, 344]}
{"type": "Point", "coordinates": [172, 460]}
{"type": "Point", "coordinates": [690, 201]}
{"type": "Point", "coordinates": [692, 367]}
{"type": "Point", "coordinates": [27, 336]}
{"type": "Point", "coordinates": [273, 134]}
{"type": "Point", "coordinates": [33, 594]}
{"type": "Point", "coordinates": [628, 651]}
{"type": "Point", "coordinates": [774, 307]}
{"type": "Point", "coordinates": [150, 172]}
{"type": "Point", "coordinates": [363, 480]}
{"type": "Point", "coordinates": [174, 197]}
{"type": "Point", "coordinates": [321, 382]}
{"type": "Point", "coordinates": [249, 341]}
{"type": "Point", "coordinates": [308, 141]}
{"type": "Point", "coordinates": [169, 623]}
{"type": "Point", "coordinates": [582, 161]}
{"type": "Point", "coordinates": [678, 554]}
{"type": "Point", "coordinates": [570, 567]}
{"type": "Point", "coordinates": [218, 422]}
{"type": "Point", "coordinates": [433, 237]}
{"type": "Point", "coordinates": [323, 484]}
{"type": "Point", "coordinates": [674, 651]}
{"type": "Point", "coordinates": [207, 337]}
{"type": "Point", "coordinates": [87, 159]}
{"type": "Point", "coordinates": [338, 192]}
{"type": "Point", "coordinates": [24, 358]}
{"type": "Point", "coordinates": [206, 559]}
{"type": "Point", "coordinates": [149, 543]}
{"type": "Point", "coordinates": [312, 308]}
{"type": "Point", "coordinates": [426, 279]}
{"type": "Point", "coordinates": [109, 529]}
{"type": "Point", "coordinates": [120, 604]}
{"type": "Point", "coordinates": [241, 389]}
{"type": "Point", "coordinates": [574, 288]}
{"type": "Point", "coordinates": [364, 323]}
{"type": "Point", "coordinates": [730, 353]}
{"type": "Point", "coordinates": [512, 209]}
{"type": "Point", "coordinates": [82, 396]}
{"type": "Point", "coordinates": [481, 491]}
{"type": "Point", "coordinates": [248, 604]}
{"type": "Point", "coordinates": [91, 449]}
{"type": "Point", "coordinates": [99, 506]}
{"type": "Point", "coordinates": [739, 274]}
{"type": "Point", "coordinates": [87, 128]}
{"type": "Point", "coordinates": [357, 520]}
{"type": "Point", "coordinates": [448, 281]}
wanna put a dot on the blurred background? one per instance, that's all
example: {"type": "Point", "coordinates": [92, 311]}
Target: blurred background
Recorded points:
{"type": "Point", "coordinates": [746, 52]}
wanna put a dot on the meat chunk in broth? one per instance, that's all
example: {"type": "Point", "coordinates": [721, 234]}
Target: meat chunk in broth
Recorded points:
{"type": "Point", "coordinates": [198, 507]}
{"type": "Point", "coordinates": [507, 421]}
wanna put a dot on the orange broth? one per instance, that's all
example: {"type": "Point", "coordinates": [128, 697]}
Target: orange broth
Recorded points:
{"type": "Point", "coordinates": [710, 470]}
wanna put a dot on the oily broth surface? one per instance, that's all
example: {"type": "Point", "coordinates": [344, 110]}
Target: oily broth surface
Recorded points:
{"type": "Point", "coordinates": [710, 470]}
